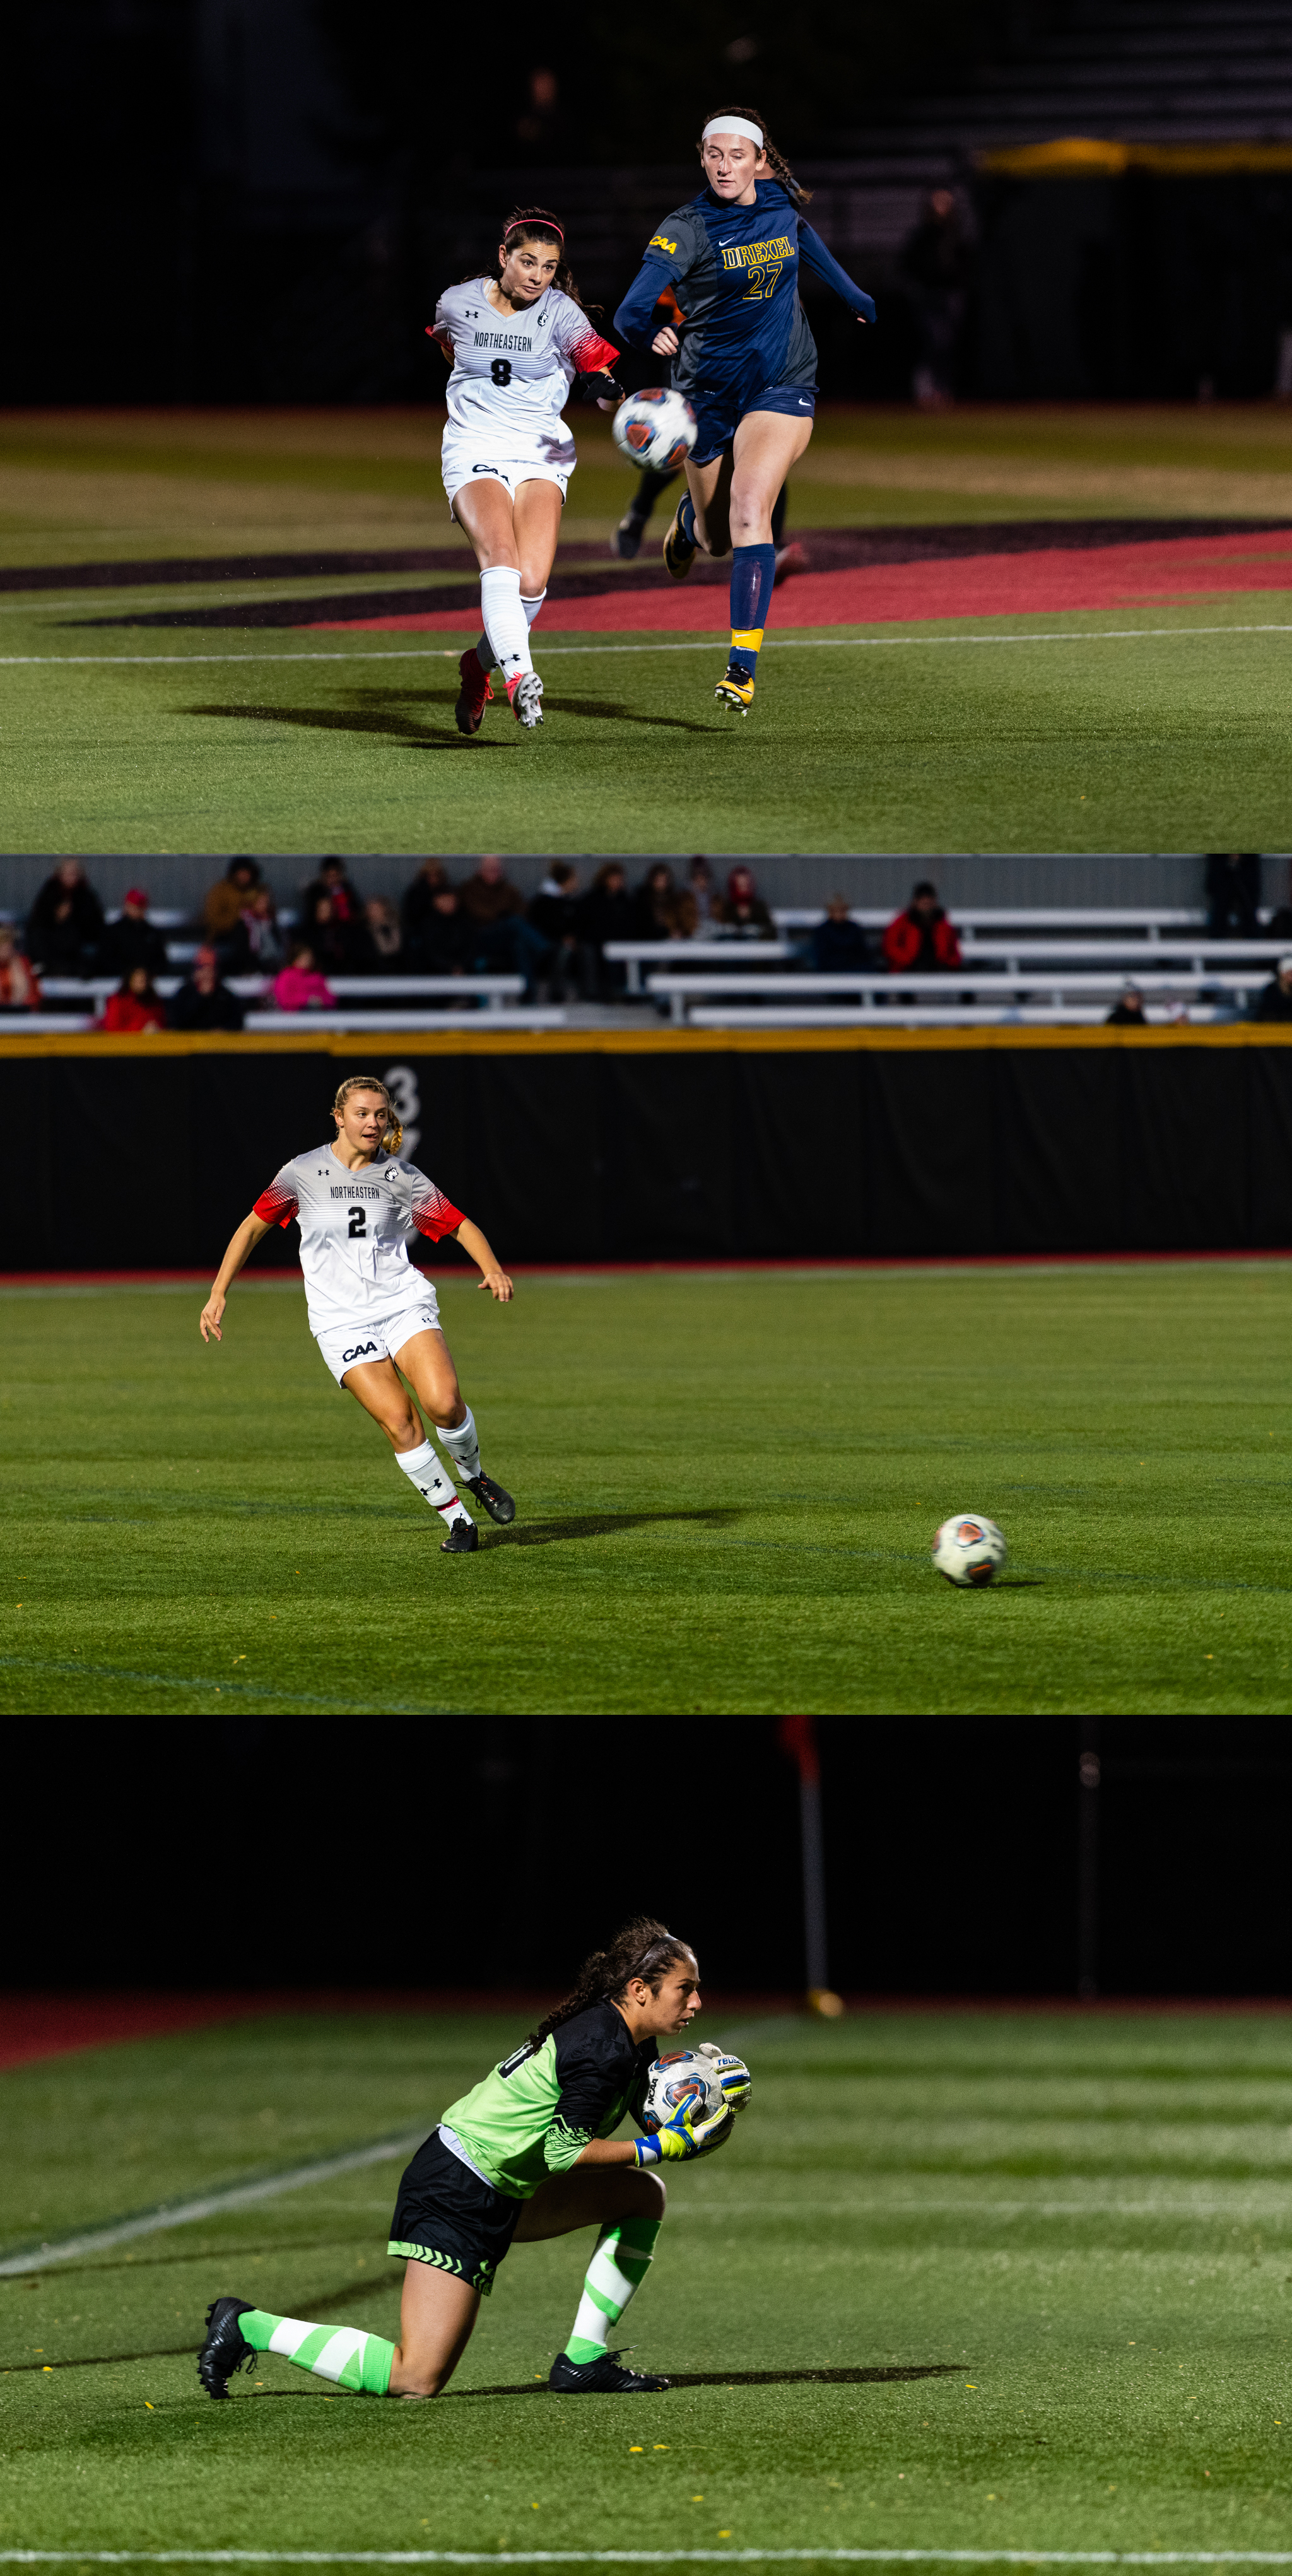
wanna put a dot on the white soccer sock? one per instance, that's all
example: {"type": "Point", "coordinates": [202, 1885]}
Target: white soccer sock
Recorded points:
{"type": "Point", "coordinates": [504, 620]}
{"type": "Point", "coordinates": [463, 1445]}
{"type": "Point", "coordinates": [423, 1469]}
{"type": "Point", "coordinates": [484, 649]}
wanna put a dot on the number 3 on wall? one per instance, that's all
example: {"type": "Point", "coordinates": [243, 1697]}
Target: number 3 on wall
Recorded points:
{"type": "Point", "coordinates": [401, 1082]}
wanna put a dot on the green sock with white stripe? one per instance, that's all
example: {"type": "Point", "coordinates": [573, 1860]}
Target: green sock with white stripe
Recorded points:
{"type": "Point", "coordinates": [618, 2267]}
{"type": "Point", "coordinates": [341, 2353]}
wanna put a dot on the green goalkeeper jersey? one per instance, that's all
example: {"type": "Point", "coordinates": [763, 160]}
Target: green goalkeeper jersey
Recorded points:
{"type": "Point", "coordinates": [535, 2114]}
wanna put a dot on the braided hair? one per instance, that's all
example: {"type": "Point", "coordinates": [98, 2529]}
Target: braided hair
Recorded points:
{"type": "Point", "coordinates": [640, 1948]}
{"type": "Point", "coordinates": [776, 161]}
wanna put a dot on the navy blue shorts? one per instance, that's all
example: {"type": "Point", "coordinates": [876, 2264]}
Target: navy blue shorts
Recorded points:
{"type": "Point", "coordinates": [719, 411]}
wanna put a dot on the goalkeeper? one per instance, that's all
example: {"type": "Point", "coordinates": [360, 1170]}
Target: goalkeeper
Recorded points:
{"type": "Point", "coordinates": [527, 2154]}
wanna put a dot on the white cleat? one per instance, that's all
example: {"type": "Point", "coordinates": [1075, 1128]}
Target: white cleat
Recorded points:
{"type": "Point", "coordinates": [526, 695]}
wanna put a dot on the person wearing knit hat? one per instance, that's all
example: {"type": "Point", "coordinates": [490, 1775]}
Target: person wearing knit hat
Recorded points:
{"type": "Point", "coordinates": [131, 940]}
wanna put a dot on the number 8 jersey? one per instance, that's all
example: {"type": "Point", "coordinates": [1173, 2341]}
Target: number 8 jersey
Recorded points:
{"type": "Point", "coordinates": [512, 372]}
{"type": "Point", "coordinates": [355, 1231]}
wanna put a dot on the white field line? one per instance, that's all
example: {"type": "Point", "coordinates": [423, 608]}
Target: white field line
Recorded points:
{"type": "Point", "coordinates": [644, 2557]}
{"type": "Point", "coordinates": [180, 2213]}
{"type": "Point", "coordinates": [778, 644]}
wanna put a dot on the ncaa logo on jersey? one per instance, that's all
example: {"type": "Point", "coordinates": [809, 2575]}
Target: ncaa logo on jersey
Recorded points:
{"type": "Point", "coordinates": [360, 1351]}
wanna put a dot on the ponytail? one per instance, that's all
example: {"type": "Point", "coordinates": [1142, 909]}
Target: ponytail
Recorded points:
{"type": "Point", "coordinates": [776, 161]}
{"type": "Point", "coordinates": [394, 1135]}
{"type": "Point", "coordinates": [641, 1948]}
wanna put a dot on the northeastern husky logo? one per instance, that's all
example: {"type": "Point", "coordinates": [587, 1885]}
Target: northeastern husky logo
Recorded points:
{"type": "Point", "coordinates": [360, 1351]}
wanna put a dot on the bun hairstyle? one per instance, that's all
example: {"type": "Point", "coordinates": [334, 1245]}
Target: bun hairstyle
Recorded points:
{"type": "Point", "coordinates": [641, 1948]}
{"type": "Point", "coordinates": [776, 161]}
{"type": "Point", "coordinates": [394, 1135]}
{"type": "Point", "coordinates": [538, 223]}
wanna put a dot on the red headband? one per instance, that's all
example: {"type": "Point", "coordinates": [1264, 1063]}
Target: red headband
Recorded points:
{"type": "Point", "coordinates": [533, 224]}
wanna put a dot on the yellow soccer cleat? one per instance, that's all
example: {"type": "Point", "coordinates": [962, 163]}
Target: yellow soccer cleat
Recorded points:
{"type": "Point", "coordinates": [736, 688]}
{"type": "Point", "coordinates": [679, 551]}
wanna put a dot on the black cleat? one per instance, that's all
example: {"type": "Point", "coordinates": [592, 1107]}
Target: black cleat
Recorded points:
{"type": "Point", "coordinates": [606, 2373]}
{"type": "Point", "coordinates": [462, 1538]}
{"type": "Point", "coordinates": [225, 2349]}
{"type": "Point", "coordinates": [679, 551]}
{"type": "Point", "coordinates": [627, 539]}
{"type": "Point", "coordinates": [498, 1505]}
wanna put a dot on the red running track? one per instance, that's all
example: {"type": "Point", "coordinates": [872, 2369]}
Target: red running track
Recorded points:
{"type": "Point", "coordinates": [1053, 582]}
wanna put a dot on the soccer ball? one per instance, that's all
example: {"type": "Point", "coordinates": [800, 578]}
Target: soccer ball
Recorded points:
{"type": "Point", "coordinates": [691, 2075]}
{"type": "Point", "coordinates": [968, 1549]}
{"type": "Point", "coordinates": [656, 428]}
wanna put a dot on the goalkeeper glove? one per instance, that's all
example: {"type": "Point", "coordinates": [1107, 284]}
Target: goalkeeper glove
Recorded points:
{"type": "Point", "coordinates": [732, 2073]}
{"type": "Point", "coordinates": [684, 2135]}
{"type": "Point", "coordinates": [599, 387]}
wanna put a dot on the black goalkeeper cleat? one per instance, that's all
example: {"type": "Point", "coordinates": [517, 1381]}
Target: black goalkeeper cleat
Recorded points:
{"type": "Point", "coordinates": [463, 1537]}
{"type": "Point", "coordinates": [498, 1505]}
{"type": "Point", "coordinates": [627, 539]}
{"type": "Point", "coordinates": [225, 2349]}
{"type": "Point", "coordinates": [604, 2375]}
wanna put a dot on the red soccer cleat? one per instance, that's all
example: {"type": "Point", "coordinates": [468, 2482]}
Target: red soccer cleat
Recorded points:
{"type": "Point", "coordinates": [476, 692]}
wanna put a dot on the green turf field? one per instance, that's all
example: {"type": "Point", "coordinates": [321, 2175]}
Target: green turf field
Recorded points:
{"type": "Point", "coordinates": [726, 1483]}
{"type": "Point", "coordinates": [863, 739]}
{"type": "Point", "coordinates": [1036, 2262]}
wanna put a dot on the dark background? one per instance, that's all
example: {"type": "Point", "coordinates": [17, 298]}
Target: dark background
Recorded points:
{"type": "Point", "coordinates": [472, 1857]}
{"type": "Point", "coordinates": [721, 1153]}
{"type": "Point", "coordinates": [258, 201]}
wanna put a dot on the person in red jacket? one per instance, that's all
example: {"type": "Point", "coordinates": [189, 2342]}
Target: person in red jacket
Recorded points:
{"type": "Point", "coordinates": [134, 1010]}
{"type": "Point", "coordinates": [921, 940]}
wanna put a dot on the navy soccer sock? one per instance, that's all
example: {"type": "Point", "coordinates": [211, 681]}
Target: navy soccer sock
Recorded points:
{"type": "Point", "coordinates": [753, 570]}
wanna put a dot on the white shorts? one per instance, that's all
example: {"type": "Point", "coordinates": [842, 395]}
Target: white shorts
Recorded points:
{"type": "Point", "coordinates": [462, 461]}
{"type": "Point", "coordinates": [381, 1338]}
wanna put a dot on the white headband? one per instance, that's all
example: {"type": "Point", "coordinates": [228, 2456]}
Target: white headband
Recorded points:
{"type": "Point", "coordinates": [733, 125]}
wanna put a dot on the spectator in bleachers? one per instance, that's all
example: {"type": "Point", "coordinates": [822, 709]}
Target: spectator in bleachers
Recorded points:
{"type": "Point", "coordinates": [1128, 1012]}
{"type": "Point", "coordinates": [229, 897]}
{"type": "Point", "coordinates": [253, 946]}
{"type": "Point", "coordinates": [134, 1010]}
{"type": "Point", "coordinates": [332, 919]}
{"type": "Point", "coordinates": [65, 923]}
{"type": "Point", "coordinates": [1275, 1001]}
{"type": "Point", "coordinates": [506, 943]}
{"type": "Point", "coordinates": [661, 909]}
{"type": "Point", "coordinates": [1233, 894]}
{"type": "Point", "coordinates": [921, 940]}
{"type": "Point", "coordinates": [553, 913]}
{"type": "Point", "coordinates": [131, 940]}
{"type": "Point", "coordinates": [743, 909]}
{"type": "Point", "coordinates": [19, 983]}
{"type": "Point", "coordinates": [203, 1000]}
{"type": "Point", "coordinates": [447, 942]}
{"type": "Point", "coordinates": [839, 945]}
{"type": "Point", "coordinates": [606, 913]}
{"type": "Point", "coordinates": [935, 263]}
{"type": "Point", "coordinates": [385, 934]}
{"type": "Point", "coordinates": [299, 986]}
{"type": "Point", "coordinates": [704, 895]}
{"type": "Point", "coordinates": [415, 906]}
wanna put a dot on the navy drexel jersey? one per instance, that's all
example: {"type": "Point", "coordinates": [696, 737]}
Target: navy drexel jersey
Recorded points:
{"type": "Point", "coordinates": [735, 273]}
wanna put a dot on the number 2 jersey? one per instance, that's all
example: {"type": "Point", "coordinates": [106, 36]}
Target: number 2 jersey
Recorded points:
{"type": "Point", "coordinates": [356, 1228]}
{"type": "Point", "coordinates": [735, 272]}
{"type": "Point", "coordinates": [512, 372]}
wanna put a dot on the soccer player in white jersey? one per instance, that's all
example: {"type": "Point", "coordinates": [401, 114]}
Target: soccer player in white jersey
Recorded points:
{"type": "Point", "coordinates": [516, 342]}
{"type": "Point", "coordinates": [371, 1313]}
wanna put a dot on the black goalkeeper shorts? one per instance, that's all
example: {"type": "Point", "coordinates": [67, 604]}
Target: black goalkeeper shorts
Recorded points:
{"type": "Point", "coordinates": [446, 2215]}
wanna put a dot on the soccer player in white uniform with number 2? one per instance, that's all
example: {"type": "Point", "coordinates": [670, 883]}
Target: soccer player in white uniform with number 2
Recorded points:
{"type": "Point", "coordinates": [371, 1313]}
{"type": "Point", "coordinates": [516, 342]}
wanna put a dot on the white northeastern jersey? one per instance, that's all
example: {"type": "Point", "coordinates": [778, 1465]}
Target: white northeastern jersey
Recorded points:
{"type": "Point", "coordinates": [355, 1231]}
{"type": "Point", "coordinates": [512, 372]}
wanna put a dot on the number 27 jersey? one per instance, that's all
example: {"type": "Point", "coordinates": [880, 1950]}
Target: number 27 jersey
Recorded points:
{"type": "Point", "coordinates": [512, 372]}
{"type": "Point", "coordinates": [355, 1231]}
